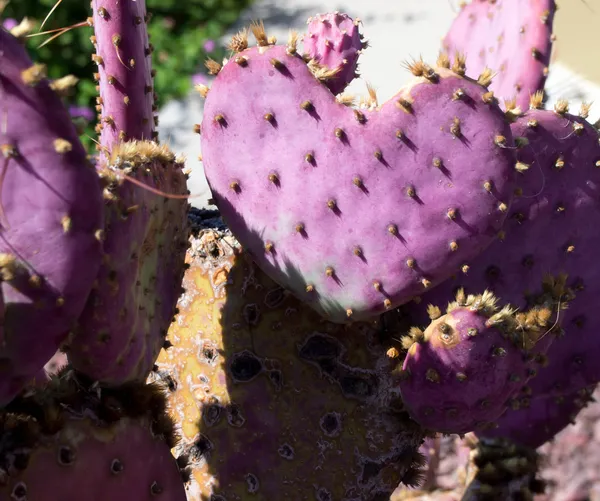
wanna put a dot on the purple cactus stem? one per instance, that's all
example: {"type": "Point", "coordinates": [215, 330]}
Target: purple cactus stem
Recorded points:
{"type": "Point", "coordinates": [511, 37]}
{"type": "Point", "coordinates": [334, 41]}
{"type": "Point", "coordinates": [355, 211]}
{"type": "Point", "coordinates": [123, 56]}
{"type": "Point", "coordinates": [51, 219]}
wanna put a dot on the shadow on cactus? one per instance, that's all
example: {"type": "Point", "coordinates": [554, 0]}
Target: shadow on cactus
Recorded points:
{"type": "Point", "coordinates": [273, 400]}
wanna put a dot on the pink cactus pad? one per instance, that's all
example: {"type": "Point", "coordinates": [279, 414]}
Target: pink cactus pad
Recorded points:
{"type": "Point", "coordinates": [82, 446]}
{"type": "Point", "coordinates": [50, 218]}
{"type": "Point", "coordinates": [124, 71]}
{"type": "Point", "coordinates": [355, 212]}
{"type": "Point", "coordinates": [460, 373]}
{"type": "Point", "coordinates": [551, 227]}
{"type": "Point", "coordinates": [333, 41]}
{"type": "Point", "coordinates": [512, 37]}
{"type": "Point", "coordinates": [124, 324]}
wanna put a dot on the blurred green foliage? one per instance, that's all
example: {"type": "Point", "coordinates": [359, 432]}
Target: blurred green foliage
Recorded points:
{"type": "Point", "coordinates": [179, 30]}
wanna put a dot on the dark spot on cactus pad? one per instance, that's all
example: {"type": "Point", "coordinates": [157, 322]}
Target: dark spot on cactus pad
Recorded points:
{"type": "Point", "coordinates": [370, 470]}
{"type": "Point", "coordinates": [579, 321]}
{"type": "Point", "coordinates": [328, 366]}
{"type": "Point", "coordinates": [200, 449]}
{"type": "Point", "coordinates": [275, 297]}
{"type": "Point", "coordinates": [21, 461]}
{"type": "Point", "coordinates": [276, 377]}
{"type": "Point", "coordinates": [359, 385]}
{"type": "Point", "coordinates": [211, 413]}
{"type": "Point", "coordinates": [245, 367]}
{"type": "Point", "coordinates": [331, 424]}
{"type": "Point", "coordinates": [234, 416]}
{"type": "Point", "coordinates": [319, 347]}
{"type": "Point", "coordinates": [66, 456]}
{"type": "Point", "coordinates": [116, 466]}
{"type": "Point", "coordinates": [323, 495]}
{"type": "Point", "coordinates": [286, 451]}
{"type": "Point", "coordinates": [155, 489]}
{"type": "Point", "coordinates": [168, 380]}
{"type": "Point", "coordinates": [19, 492]}
{"type": "Point", "coordinates": [252, 314]}
{"type": "Point", "coordinates": [209, 354]}
{"type": "Point", "coordinates": [492, 273]}
{"type": "Point", "coordinates": [183, 461]}
{"type": "Point", "coordinates": [252, 482]}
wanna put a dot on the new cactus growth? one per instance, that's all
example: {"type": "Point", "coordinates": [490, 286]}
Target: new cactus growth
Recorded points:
{"type": "Point", "coordinates": [512, 37]}
{"type": "Point", "coordinates": [67, 442]}
{"type": "Point", "coordinates": [274, 401]}
{"type": "Point", "coordinates": [355, 211]}
{"type": "Point", "coordinates": [50, 216]}
{"type": "Point", "coordinates": [333, 41]}
{"type": "Point", "coordinates": [460, 373]}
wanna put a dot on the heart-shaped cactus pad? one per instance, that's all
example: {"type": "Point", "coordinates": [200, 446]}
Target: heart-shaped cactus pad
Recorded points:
{"type": "Point", "coordinates": [355, 210]}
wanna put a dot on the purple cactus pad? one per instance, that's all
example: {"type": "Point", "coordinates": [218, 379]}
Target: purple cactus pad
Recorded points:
{"type": "Point", "coordinates": [51, 218]}
{"type": "Point", "coordinates": [511, 37]}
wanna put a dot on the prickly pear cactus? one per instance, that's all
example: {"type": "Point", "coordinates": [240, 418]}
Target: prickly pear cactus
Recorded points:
{"type": "Point", "coordinates": [460, 373]}
{"type": "Point", "coordinates": [547, 229]}
{"type": "Point", "coordinates": [125, 321]}
{"type": "Point", "coordinates": [273, 401]}
{"type": "Point", "coordinates": [333, 41]}
{"type": "Point", "coordinates": [355, 212]}
{"type": "Point", "coordinates": [512, 37]}
{"type": "Point", "coordinates": [50, 215]}
{"type": "Point", "coordinates": [67, 442]}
